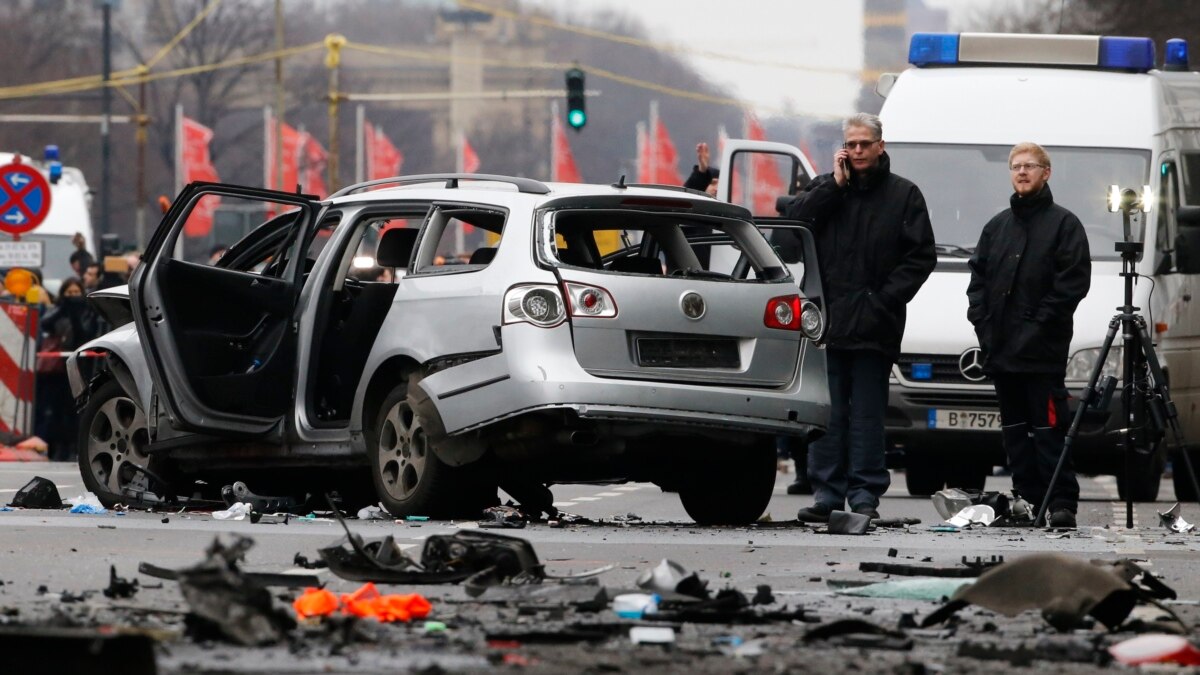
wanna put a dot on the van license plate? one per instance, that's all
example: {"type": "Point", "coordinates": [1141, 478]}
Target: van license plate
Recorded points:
{"type": "Point", "coordinates": [964, 420]}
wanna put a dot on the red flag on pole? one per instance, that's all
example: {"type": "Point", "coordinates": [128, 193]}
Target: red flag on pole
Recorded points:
{"type": "Point", "coordinates": [292, 140]}
{"type": "Point", "coordinates": [643, 154]}
{"type": "Point", "coordinates": [665, 162]}
{"type": "Point", "coordinates": [384, 160]}
{"type": "Point", "coordinates": [767, 183]}
{"type": "Point", "coordinates": [468, 161]}
{"type": "Point", "coordinates": [197, 166]}
{"type": "Point", "coordinates": [563, 168]}
{"type": "Point", "coordinates": [312, 179]}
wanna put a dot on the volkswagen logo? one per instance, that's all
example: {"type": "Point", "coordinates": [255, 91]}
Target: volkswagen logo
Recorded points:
{"type": "Point", "coordinates": [692, 305]}
{"type": "Point", "coordinates": [970, 364]}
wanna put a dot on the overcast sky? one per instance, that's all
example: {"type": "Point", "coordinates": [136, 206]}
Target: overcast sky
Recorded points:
{"type": "Point", "coordinates": [822, 35]}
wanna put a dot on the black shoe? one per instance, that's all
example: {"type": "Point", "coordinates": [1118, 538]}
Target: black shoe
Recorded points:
{"type": "Point", "coordinates": [868, 511]}
{"type": "Point", "coordinates": [1062, 518]}
{"type": "Point", "coordinates": [817, 513]}
{"type": "Point", "coordinates": [800, 486]}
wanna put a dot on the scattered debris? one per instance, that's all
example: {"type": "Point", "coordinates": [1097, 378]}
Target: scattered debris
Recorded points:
{"type": "Point", "coordinates": [979, 514]}
{"type": "Point", "coordinates": [509, 517]}
{"type": "Point", "coordinates": [237, 511]}
{"type": "Point", "coordinates": [670, 577]}
{"type": "Point", "coordinates": [119, 587]}
{"type": "Point", "coordinates": [1004, 511]}
{"type": "Point", "coordinates": [848, 522]}
{"type": "Point", "coordinates": [261, 578]}
{"type": "Point", "coordinates": [368, 602]}
{"type": "Point", "coordinates": [654, 635]}
{"type": "Point", "coordinates": [1155, 648]}
{"type": "Point", "coordinates": [226, 603]}
{"type": "Point", "coordinates": [909, 589]}
{"type": "Point", "coordinates": [635, 605]}
{"type": "Point", "coordinates": [303, 562]}
{"type": "Point", "coordinates": [858, 633]}
{"type": "Point", "coordinates": [1068, 649]}
{"type": "Point", "coordinates": [38, 493]}
{"type": "Point", "coordinates": [1064, 588]}
{"type": "Point", "coordinates": [966, 569]}
{"type": "Point", "coordinates": [763, 596]}
{"type": "Point", "coordinates": [1172, 519]}
{"type": "Point", "coordinates": [373, 512]}
{"type": "Point", "coordinates": [86, 503]}
{"type": "Point", "coordinates": [315, 602]}
{"type": "Point", "coordinates": [238, 493]}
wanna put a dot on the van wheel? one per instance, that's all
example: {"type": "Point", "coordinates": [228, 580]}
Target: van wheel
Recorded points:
{"type": "Point", "coordinates": [113, 436]}
{"type": "Point", "coordinates": [730, 486]}
{"type": "Point", "coordinates": [1147, 477]}
{"type": "Point", "coordinates": [923, 474]}
{"type": "Point", "coordinates": [967, 473]}
{"type": "Point", "coordinates": [1184, 491]}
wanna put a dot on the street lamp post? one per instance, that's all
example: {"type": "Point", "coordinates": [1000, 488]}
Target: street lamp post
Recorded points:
{"type": "Point", "coordinates": [106, 8]}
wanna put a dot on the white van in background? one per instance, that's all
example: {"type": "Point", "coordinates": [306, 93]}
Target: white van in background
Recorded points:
{"type": "Point", "coordinates": [1107, 116]}
{"type": "Point", "coordinates": [70, 213]}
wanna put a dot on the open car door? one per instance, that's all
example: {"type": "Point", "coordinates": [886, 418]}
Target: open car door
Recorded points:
{"type": "Point", "coordinates": [755, 174]}
{"type": "Point", "coordinates": [220, 339]}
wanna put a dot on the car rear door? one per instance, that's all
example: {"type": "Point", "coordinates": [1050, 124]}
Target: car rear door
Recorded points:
{"type": "Point", "coordinates": [220, 339]}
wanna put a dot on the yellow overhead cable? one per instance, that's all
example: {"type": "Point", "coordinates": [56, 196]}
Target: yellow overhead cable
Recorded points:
{"type": "Point", "coordinates": [182, 33]}
{"type": "Point", "coordinates": [638, 42]}
{"type": "Point", "coordinates": [139, 75]}
{"type": "Point", "coordinates": [544, 65]}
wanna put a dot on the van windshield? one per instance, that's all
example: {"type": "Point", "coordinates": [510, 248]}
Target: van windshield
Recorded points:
{"type": "Point", "coordinates": [965, 185]}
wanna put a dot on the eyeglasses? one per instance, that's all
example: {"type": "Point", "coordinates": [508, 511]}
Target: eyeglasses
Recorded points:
{"type": "Point", "coordinates": [858, 145]}
{"type": "Point", "coordinates": [1028, 166]}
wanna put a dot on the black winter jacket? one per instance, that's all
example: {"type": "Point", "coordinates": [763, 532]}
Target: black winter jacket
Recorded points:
{"type": "Point", "coordinates": [876, 247]}
{"type": "Point", "coordinates": [700, 180]}
{"type": "Point", "coordinates": [1030, 270]}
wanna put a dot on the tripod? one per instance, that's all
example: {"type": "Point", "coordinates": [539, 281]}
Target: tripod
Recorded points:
{"type": "Point", "coordinates": [1146, 405]}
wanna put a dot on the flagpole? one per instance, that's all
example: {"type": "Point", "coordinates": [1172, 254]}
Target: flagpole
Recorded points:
{"type": "Point", "coordinates": [268, 148]}
{"type": "Point", "coordinates": [178, 172]}
{"type": "Point", "coordinates": [302, 167]}
{"type": "Point", "coordinates": [652, 139]}
{"type": "Point", "coordinates": [459, 165]}
{"type": "Point", "coordinates": [360, 152]}
{"type": "Point", "coordinates": [554, 142]}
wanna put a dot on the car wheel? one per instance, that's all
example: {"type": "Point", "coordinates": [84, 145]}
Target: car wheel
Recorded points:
{"type": "Point", "coordinates": [409, 478]}
{"type": "Point", "coordinates": [1147, 477]}
{"type": "Point", "coordinates": [113, 436]}
{"type": "Point", "coordinates": [730, 488]}
{"type": "Point", "coordinates": [923, 475]}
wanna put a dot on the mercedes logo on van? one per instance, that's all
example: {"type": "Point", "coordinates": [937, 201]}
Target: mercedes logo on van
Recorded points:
{"type": "Point", "coordinates": [970, 364]}
{"type": "Point", "coordinates": [692, 305]}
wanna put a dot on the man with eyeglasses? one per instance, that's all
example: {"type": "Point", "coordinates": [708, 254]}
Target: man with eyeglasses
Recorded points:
{"type": "Point", "coordinates": [1030, 270]}
{"type": "Point", "coordinates": [876, 249]}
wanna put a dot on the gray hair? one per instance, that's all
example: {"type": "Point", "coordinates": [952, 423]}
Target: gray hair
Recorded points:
{"type": "Point", "coordinates": [867, 121]}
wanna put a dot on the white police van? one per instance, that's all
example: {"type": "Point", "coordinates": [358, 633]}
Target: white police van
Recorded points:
{"type": "Point", "coordinates": [70, 213]}
{"type": "Point", "coordinates": [1107, 116]}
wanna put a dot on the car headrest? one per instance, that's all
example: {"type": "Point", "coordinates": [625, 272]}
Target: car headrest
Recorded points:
{"type": "Point", "coordinates": [395, 247]}
{"type": "Point", "coordinates": [482, 256]}
{"type": "Point", "coordinates": [637, 264]}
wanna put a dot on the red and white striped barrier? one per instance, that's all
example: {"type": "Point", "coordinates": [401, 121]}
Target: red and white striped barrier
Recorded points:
{"type": "Point", "coordinates": [19, 324]}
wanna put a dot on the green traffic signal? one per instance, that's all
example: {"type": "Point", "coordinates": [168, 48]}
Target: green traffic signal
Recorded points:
{"type": "Point", "coordinates": [576, 108]}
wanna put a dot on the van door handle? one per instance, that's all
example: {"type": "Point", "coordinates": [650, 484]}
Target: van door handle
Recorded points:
{"type": "Point", "coordinates": [1187, 297]}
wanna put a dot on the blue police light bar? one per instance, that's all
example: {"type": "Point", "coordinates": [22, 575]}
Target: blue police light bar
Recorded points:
{"type": "Point", "coordinates": [1126, 53]}
{"type": "Point", "coordinates": [922, 371]}
{"type": "Point", "coordinates": [933, 49]}
{"type": "Point", "coordinates": [1176, 57]}
{"type": "Point", "coordinates": [55, 170]}
{"type": "Point", "coordinates": [50, 153]}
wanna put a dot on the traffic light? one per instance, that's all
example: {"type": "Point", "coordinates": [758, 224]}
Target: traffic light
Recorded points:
{"type": "Point", "coordinates": [576, 108]}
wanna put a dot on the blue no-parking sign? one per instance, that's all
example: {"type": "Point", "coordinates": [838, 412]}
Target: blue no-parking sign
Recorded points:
{"type": "Point", "coordinates": [24, 198]}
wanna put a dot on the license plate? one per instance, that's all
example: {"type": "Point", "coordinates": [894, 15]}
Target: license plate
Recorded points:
{"type": "Point", "coordinates": [964, 420]}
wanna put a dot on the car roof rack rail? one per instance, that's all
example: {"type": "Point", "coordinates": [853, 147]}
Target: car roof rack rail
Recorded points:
{"type": "Point", "coordinates": [676, 188]}
{"type": "Point", "coordinates": [526, 185]}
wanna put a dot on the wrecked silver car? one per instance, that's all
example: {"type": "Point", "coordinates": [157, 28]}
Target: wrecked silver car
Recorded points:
{"type": "Point", "coordinates": [594, 334]}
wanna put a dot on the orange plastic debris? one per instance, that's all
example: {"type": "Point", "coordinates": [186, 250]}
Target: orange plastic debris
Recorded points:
{"type": "Point", "coordinates": [368, 602]}
{"type": "Point", "coordinates": [315, 602]}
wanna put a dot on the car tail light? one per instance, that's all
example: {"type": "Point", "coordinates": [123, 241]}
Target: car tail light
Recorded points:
{"type": "Point", "coordinates": [783, 312]}
{"type": "Point", "coordinates": [812, 321]}
{"type": "Point", "coordinates": [590, 301]}
{"type": "Point", "coordinates": [538, 304]}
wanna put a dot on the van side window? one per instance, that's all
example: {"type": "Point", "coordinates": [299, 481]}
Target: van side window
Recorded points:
{"type": "Point", "coordinates": [1191, 178]}
{"type": "Point", "coordinates": [1168, 200]}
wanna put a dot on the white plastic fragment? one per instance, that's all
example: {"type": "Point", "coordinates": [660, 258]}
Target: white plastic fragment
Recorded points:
{"type": "Point", "coordinates": [652, 635]}
{"type": "Point", "coordinates": [1173, 520]}
{"type": "Point", "coordinates": [238, 511]}
{"type": "Point", "coordinates": [980, 514]}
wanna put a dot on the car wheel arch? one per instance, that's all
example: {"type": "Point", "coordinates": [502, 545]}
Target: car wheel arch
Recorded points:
{"type": "Point", "coordinates": [384, 378]}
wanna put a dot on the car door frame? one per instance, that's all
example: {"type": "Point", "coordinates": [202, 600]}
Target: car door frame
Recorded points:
{"type": "Point", "coordinates": [173, 389]}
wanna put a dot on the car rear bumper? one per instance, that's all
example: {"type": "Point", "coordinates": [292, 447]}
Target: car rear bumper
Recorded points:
{"type": "Point", "coordinates": [537, 370]}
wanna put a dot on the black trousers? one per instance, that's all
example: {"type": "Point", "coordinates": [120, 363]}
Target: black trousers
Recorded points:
{"type": "Point", "coordinates": [1035, 419]}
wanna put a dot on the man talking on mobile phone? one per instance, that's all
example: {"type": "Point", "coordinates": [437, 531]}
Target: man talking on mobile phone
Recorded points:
{"type": "Point", "coordinates": [876, 248]}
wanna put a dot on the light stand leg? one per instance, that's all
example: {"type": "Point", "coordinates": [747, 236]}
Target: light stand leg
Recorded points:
{"type": "Point", "coordinates": [1085, 399]}
{"type": "Point", "coordinates": [1127, 344]}
{"type": "Point", "coordinates": [1169, 411]}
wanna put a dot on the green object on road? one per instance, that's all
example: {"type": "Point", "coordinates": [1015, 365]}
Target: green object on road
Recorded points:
{"type": "Point", "coordinates": [435, 627]}
{"type": "Point", "coordinates": [921, 588]}
{"type": "Point", "coordinates": [416, 518]}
